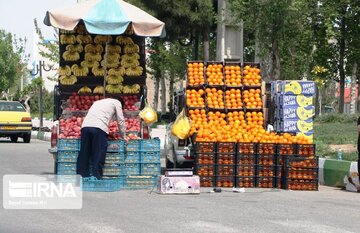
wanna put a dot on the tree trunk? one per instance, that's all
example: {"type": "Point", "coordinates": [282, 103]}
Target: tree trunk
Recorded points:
{"type": "Point", "coordinates": [156, 92]}
{"type": "Point", "coordinates": [26, 103]}
{"type": "Point", "coordinates": [206, 48]}
{"type": "Point", "coordinates": [341, 65]}
{"type": "Point", "coordinates": [163, 93]}
{"type": "Point", "coordinates": [275, 61]}
{"type": "Point", "coordinates": [171, 92]}
{"type": "Point", "coordinates": [353, 88]}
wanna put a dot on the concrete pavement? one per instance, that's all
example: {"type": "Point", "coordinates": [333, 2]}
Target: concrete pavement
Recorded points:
{"type": "Point", "coordinates": [256, 210]}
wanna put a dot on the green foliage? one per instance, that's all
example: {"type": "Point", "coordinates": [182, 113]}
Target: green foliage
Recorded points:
{"type": "Point", "coordinates": [9, 61]}
{"type": "Point", "coordinates": [337, 118]}
{"type": "Point", "coordinates": [335, 130]}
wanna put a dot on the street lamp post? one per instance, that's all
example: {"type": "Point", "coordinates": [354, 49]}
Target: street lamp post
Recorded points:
{"type": "Point", "coordinates": [37, 70]}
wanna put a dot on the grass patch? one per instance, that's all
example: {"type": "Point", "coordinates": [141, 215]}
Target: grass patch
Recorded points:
{"type": "Point", "coordinates": [335, 129]}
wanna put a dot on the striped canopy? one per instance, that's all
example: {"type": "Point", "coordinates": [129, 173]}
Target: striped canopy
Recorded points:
{"type": "Point", "coordinates": [106, 17]}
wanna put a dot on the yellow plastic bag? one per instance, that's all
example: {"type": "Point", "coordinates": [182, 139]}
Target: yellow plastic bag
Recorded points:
{"type": "Point", "coordinates": [148, 114]}
{"type": "Point", "coordinates": [181, 126]}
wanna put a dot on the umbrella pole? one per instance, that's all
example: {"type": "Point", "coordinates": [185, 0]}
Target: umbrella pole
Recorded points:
{"type": "Point", "coordinates": [105, 66]}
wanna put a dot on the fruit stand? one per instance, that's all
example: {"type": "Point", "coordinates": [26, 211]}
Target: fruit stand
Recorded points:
{"type": "Point", "coordinates": [103, 55]}
{"type": "Point", "coordinates": [225, 103]}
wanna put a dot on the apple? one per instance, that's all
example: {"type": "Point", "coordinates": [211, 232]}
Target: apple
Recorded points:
{"type": "Point", "coordinates": [129, 102]}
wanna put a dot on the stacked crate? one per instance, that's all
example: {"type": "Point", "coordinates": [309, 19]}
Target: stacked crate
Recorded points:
{"type": "Point", "coordinates": [301, 170]}
{"type": "Point", "coordinates": [68, 150]}
{"type": "Point", "coordinates": [268, 171]}
{"type": "Point", "coordinates": [142, 163]}
{"type": "Point", "coordinates": [246, 165]}
{"type": "Point", "coordinates": [225, 170]}
{"type": "Point", "coordinates": [205, 160]}
{"type": "Point", "coordinates": [294, 106]}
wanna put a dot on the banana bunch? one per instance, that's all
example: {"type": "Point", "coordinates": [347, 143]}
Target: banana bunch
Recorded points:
{"type": "Point", "coordinates": [114, 79]}
{"type": "Point", "coordinates": [134, 56]}
{"type": "Point", "coordinates": [92, 48]}
{"type": "Point", "coordinates": [84, 39]}
{"type": "Point", "coordinates": [112, 64]}
{"type": "Point", "coordinates": [98, 71]}
{"type": "Point", "coordinates": [114, 88]}
{"type": "Point", "coordinates": [79, 70]}
{"type": "Point", "coordinates": [71, 56]}
{"type": "Point", "coordinates": [62, 31]}
{"type": "Point", "coordinates": [75, 48]}
{"type": "Point", "coordinates": [67, 39]}
{"type": "Point", "coordinates": [114, 49]}
{"type": "Point", "coordinates": [134, 71]}
{"type": "Point", "coordinates": [101, 39]}
{"type": "Point", "coordinates": [81, 29]}
{"type": "Point", "coordinates": [92, 56]}
{"type": "Point", "coordinates": [131, 89]}
{"type": "Point", "coordinates": [111, 57]}
{"type": "Point", "coordinates": [90, 64]}
{"type": "Point", "coordinates": [124, 40]}
{"type": "Point", "coordinates": [117, 71]}
{"type": "Point", "coordinates": [84, 90]}
{"type": "Point", "coordinates": [99, 90]}
{"type": "Point", "coordinates": [131, 48]}
{"type": "Point", "coordinates": [127, 61]}
{"type": "Point", "coordinates": [64, 70]}
{"type": "Point", "coordinates": [68, 79]}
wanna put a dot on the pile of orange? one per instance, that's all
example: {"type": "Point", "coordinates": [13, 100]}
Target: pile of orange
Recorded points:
{"type": "Point", "coordinates": [252, 98]}
{"type": "Point", "coordinates": [256, 118]}
{"type": "Point", "coordinates": [214, 98]}
{"type": "Point", "coordinates": [236, 119]}
{"type": "Point", "coordinates": [233, 98]}
{"type": "Point", "coordinates": [233, 75]}
{"type": "Point", "coordinates": [214, 74]}
{"type": "Point", "coordinates": [251, 76]}
{"type": "Point", "coordinates": [196, 73]}
{"type": "Point", "coordinates": [195, 98]}
{"type": "Point", "coordinates": [197, 119]}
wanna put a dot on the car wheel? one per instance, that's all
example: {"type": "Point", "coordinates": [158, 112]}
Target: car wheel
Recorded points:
{"type": "Point", "coordinates": [14, 138]}
{"type": "Point", "coordinates": [27, 138]}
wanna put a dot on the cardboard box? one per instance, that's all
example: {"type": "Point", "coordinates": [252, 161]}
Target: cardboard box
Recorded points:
{"type": "Point", "coordinates": [293, 112]}
{"type": "Point", "coordinates": [295, 125]}
{"type": "Point", "coordinates": [179, 185]}
{"type": "Point", "coordinates": [290, 100]}
{"type": "Point", "coordinates": [298, 87]}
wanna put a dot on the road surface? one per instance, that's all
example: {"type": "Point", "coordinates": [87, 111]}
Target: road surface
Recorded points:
{"type": "Point", "coordinates": [256, 210]}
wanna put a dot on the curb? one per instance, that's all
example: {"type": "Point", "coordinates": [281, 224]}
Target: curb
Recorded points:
{"type": "Point", "coordinates": [332, 172]}
{"type": "Point", "coordinates": [44, 136]}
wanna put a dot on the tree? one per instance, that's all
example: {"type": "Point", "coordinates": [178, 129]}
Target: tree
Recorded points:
{"type": "Point", "coordinates": [9, 62]}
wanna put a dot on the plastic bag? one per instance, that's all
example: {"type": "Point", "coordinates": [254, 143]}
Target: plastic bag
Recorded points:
{"type": "Point", "coordinates": [181, 126]}
{"type": "Point", "coordinates": [148, 114]}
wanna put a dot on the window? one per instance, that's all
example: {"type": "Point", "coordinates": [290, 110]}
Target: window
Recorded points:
{"type": "Point", "coordinates": [11, 106]}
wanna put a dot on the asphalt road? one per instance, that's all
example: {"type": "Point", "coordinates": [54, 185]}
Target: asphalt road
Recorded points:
{"type": "Point", "coordinates": [256, 210]}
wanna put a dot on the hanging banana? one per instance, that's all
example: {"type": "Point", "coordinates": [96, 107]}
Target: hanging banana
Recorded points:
{"type": "Point", "coordinates": [124, 40]}
{"type": "Point", "coordinates": [102, 39]}
{"type": "Point", "coordinates": [114, 49]}
{"type": "Point", "coordinates": [67, 39]}
{"type": "Point", "coordinates": [64, 70]}
{"type": "Point", "coordinates": [71, 56]}
{"type": "Point", "coordinates": [74, 48]}
{"type": "Point", "coordinates": [131, 89]}
{"type": "Point", "coordinates": [99, 90]}
{"type": "Point", "coordinates": [79, 70]}
{"type": "Point", "coordinates": [84, 90]}
{"type": "Point", "coordinates": [84, 39]}
{"type": "Point", "coordinates": [133, 48]}
{"type": "Point", "coordinates": [90, 64]}
{"type": "Point", "coordinates": [114, 89]}
{"type": "Point", "coordinates": [67, 80]}
{"type": "Point", "coordinates": [113, 64]}
{"type": "Point", "coordinates": [134, 71]}
{"type": "Point", "coordinates": [92, 56]}
{"type": "Point", "coordinates": [117, 71]}
{"type": "Point", "coordinates": [114, 79]}
{"type": "Point", "coordinates": [97, 71]}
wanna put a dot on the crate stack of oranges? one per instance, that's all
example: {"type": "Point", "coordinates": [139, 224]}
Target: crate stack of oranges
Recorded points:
{"type": "Point", "coordinates": [252, 98]}
{"type": "Point", "coordinates": [195, 98]}
{"type": "Point", "coordinates": [251, 76]}
{"type": "Point", "coordinates": [196, 73]}
{"type": "Point", "coordinates": [233, 76]}
{"type": "Point", "coordinates": [214, 74]}
{"type": "Point", "coordinates": [214, 98]}
{"type": "Point", "coordinates": [235, 125]}
{"type": "Point", "coordinates": [233, 99]}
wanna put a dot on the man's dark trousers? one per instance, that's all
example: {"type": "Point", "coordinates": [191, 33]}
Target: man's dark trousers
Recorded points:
{"type": "Point", "coordinates": [92, 151]}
